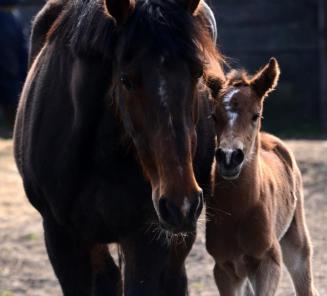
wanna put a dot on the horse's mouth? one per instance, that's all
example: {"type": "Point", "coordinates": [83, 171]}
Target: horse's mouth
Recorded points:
{"type": "Point", "coordinates": [183, 229]}
{"type": "Point", "coordinates": [230, 174]}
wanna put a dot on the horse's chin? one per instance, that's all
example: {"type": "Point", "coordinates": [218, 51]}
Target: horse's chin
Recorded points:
{"type": "Point", "coordinates": [176, 230]}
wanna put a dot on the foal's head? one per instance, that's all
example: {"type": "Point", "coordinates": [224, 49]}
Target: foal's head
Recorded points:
{"type": "Point", "coordinates": [159, 63]}
{"type": "Point", "coordinates": [238, 117]}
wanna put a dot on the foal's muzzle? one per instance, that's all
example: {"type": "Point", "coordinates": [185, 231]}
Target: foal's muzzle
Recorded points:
{"type": "Point", "coordinates": [183, 218]}
{"type": "Point", "coordinates": [230, 162]}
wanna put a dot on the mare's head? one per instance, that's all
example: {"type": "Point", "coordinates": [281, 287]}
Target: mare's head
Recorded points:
{"type": "Point", "coordinates": [238, 117]}
{"type": "Point", "coordinates": [163, 52]}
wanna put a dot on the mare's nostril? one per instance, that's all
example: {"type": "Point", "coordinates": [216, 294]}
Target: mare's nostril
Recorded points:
{"type": "Point", "coordinates": [237, 157]}
{"type": "Point", "coordinates": [196, 207]}
{"type": "Point", "coordinates": [169, 213]}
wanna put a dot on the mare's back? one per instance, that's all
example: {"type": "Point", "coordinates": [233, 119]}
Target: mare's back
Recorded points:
{"type": "Point", "coordinates": [59, 111]}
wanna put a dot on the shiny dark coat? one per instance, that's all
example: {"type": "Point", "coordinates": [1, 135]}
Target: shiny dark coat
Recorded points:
{"type": "Point", "coordinates": [80, 170]}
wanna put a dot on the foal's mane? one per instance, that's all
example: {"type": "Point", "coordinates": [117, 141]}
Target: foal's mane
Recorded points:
{"type": "Point", "coordinates": [161, 25]}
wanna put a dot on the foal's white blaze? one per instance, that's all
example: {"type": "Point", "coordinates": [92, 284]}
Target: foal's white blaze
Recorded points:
{"type": "Point", "coordinates": [230, 95]}
{"type": "Point", "coordinates": [232, 116]}
{"type": "Point", "coordinates": [185, 207]}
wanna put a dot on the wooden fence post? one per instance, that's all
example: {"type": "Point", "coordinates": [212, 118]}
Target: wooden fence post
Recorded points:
{"type": "Point", "coordinates": [322, 11]}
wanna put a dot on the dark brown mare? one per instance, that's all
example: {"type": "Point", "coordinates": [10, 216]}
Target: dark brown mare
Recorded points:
{"type": "Point", "coordinates": [113, 138]}
{"type": "Point", "coordinates": [256, 214]}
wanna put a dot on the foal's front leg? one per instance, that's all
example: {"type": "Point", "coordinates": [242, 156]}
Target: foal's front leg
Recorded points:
{"type": "Point", "coordinates": [265, 278]}
{"type": "Point", "coordinates": [229, 284]}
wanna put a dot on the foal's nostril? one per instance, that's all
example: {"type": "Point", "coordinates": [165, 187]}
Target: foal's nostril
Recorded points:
{"type": "Point", "coordinates": [228, 158]}
{"type": "Point", "coordinates": [220, 154]}
{"type": "Point", "coordinates": [169, 213]}
{"type": "Point", "coordinates": [237, 157]}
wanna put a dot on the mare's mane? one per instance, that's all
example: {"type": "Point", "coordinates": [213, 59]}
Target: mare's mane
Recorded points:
{"type": "Point", "coordinates": [158, 25]}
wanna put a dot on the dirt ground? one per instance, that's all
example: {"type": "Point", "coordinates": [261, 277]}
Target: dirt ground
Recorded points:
{"type": "Point", "coordinates": [25, 269]}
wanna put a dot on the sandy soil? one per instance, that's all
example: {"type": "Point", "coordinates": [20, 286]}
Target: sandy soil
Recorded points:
{"type": "Point", "coordinates": [25, 269]}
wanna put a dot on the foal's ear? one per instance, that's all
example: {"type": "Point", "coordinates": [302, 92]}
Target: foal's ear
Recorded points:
{"type": "Point", "coordinates": [190, 5]}
{"type": "Point", "coordinates": [120, 10]}
{"type": "Point", "coordinates": [215, 84]}
{"type": "Point", "coordinates": [266, 79]}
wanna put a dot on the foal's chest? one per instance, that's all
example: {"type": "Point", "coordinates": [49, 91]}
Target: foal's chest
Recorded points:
{"type": "Point", "coordinates": [229, 237]}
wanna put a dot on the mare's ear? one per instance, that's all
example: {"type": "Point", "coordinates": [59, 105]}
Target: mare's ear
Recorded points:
{"type": "Point", "coordinates": [120, 10]}
{"type": "Point", "coordinates": [266, 79]}
{"type": "Point", "coordinates": [190, 5]}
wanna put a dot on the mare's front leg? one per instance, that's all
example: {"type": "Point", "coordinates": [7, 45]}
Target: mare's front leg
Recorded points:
{"type": "Point", "coordinates": [153, 266]}
{"type": "Point", "coordinates": [70, 258]}
{"type": "Point", "coordinates": [82, 269]}
{"type": "Point", "coordinates": [106, 274]}
{"type": "Point", "coordinates": [266, 276]}
{"type": "Point", "coordinates": [174, 279]}
{"type": "Point", "coordinates": [144, 262]}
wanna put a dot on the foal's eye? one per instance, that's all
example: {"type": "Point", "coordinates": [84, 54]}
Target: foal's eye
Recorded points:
{"type": "Point", "coordinates": [126, 82]}
{"type": "Point", "coordinates": [256, 116]}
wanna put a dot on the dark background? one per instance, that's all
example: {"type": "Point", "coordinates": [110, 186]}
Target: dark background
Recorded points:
{"type": "Point", "coordinates": [294, 31]}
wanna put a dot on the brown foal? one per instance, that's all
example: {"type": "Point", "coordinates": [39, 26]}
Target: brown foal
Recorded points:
{"type": "Point", "coordinates": [256, 214]}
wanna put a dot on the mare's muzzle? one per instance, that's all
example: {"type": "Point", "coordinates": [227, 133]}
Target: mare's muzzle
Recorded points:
{"type": "Point", "coordinates": [181, 218]}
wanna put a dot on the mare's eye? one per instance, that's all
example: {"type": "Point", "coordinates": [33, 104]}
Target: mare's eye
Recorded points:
{"type": "Point", "coordinates": [126, 82]}
{"type": "Point", "coordinates": [255, 117]}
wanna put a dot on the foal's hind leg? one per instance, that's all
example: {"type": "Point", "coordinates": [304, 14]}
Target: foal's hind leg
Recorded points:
{"type": "Point", "coordinates": [106, 275]}
{"type": "Point", "coordinates": [297, 252]}
{"type": "Point", "coordinates": [70, 258]}
{"type": "Point", "coordinates": [265, 278]}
